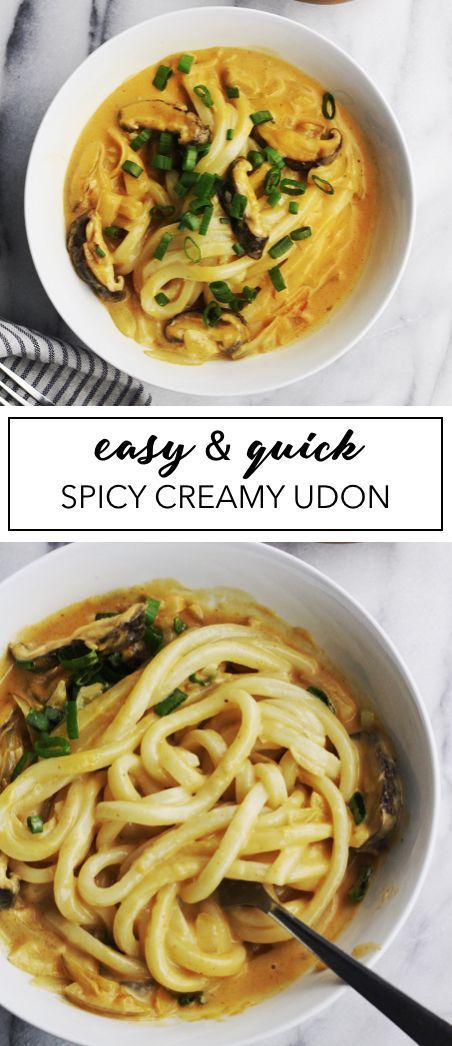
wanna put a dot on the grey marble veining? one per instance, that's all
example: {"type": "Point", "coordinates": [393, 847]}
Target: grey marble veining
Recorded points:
{"type": "Point", "coordinates": [404, 44]}
{"type": "Point", "coordinates": [408, 588]}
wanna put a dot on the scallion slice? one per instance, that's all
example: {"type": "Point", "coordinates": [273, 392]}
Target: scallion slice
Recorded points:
{"type": "Point", "coordinates": [151, 609]}
{"type": "Point", "coordinates": [162, 246]}
{"type": "Point", "coordinates": [190, 159]}
{"type": "Point", "coordinates": [229, 134]}
{"type": "Point", "coordinates": [35, 824]}
{"type": "Point", "coordinates": [274, 197]}
{"type": "Point", "coordinates": [38, 721]}
{"type": "Point", "coordinates": [238, 249]}
{"type": "Point", "coordinates": [358, 891]}
{"type": "Point", "coordinates": [192, 249]}
{"type": "Point", "coordinates": [165, 143]}
{"type": "Point", "coordinates": [189, 221]}
{"type": "Point", "coordinates": [153, 638]}
{"type": "Point", "coordinates": [161, 299]}
{"type": "Point", "coordinates": [292, 187]}
{"type": "Point", "coordinates": [141, 139]}
{"type": "Point", "coordinates": [322, 696]}
{"type": "Point", "coordinates": [26, 760]}
{"type": "Point", "coordinates": [256, 158]}
{"type": "Point", "coordinates": [163, 210]}
{"type": "Point", "coordinates": [130, 167]}
{"type": "Point", "coordinates": [115, 232]}
{"type": "Point", "coordinates": [303, 233]}
{"type": "Point", "coordinates": [277, 278]}
{"type": "Point", "coordinates": [232, 91]}
{"type": "Point", "coordinates": [273, 156]}
{"type": "Point", "coordinates": [261, 116]}
{"type": "Point", "coordinates": [329, 106]}
{"type": "Point", "coordinates": [272, 179]}
{"type": "Point", "coordinates": [238, 205]}
{"type": "Point", "coordinates": [221, 291]}
{"type": "Point", "coordinates": [72, 719]}
{"type": "Point", "coordinates": [294, 207]}
{"type": "Point", "coordinates": [162, 163]}
{"type": "Point", "coordinates": [179, 626]}
{"type": "Point", "coordinates": [170, 703]}
{"type": "Point", "coordinates": [211, 314]}
{"type": "Point", "coordinates": [206, 219]}
{"type": "Point", "coordinates": [281, 247]}
{"type": "Point", "coordinates": [205, 186]}
{"type": "Point", "coordinates": [323, 185]}
{"type": "Point", "coordinates": [357, 807]}
{"type": "Point", "coordinates": [195, 678]}
{"type": "Point", "coordinates": [204, 94]}
{"type": "Point", "coordinates": [52, 747]}
{"type": "Point", "coordinates": [162, 76]}
{"type": "Point", "coordinates": [80, 659]}
{"type": "Point", "coordinates": [185, 63]}
{"type": "Point", "coordinates": [100, 253]}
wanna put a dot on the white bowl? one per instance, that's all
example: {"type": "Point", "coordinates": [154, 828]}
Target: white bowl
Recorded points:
{"type": "Point", "coordinates": [139, 47]}
{"type": "Point", "coordinates": [367, 657]}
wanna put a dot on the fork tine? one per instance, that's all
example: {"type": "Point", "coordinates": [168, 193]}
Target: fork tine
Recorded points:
{"type": "Point", "coordinates": [38, 396]}
{"type": "Point", "coordinates": [11, 392]}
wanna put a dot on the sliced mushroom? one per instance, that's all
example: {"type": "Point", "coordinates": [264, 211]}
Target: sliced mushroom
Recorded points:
{"type": "Point", "coordinates": [156, 115]}
{"type": "Point", "coordinates": [91, 258]}
{"type": "Point", "coordinates": [228, 334]}
{"type": "Point", "coordinates": [248, 230]}
{"type": "Point", "coordinates": [303, 146]}
{"type": "Point", "coordinates": [122, 633]}
{"type": "Point", "coordinates": [13, 740]}
{"type": "Point", "coordinates": [9, 885]}
{"type": "Point", "coordinates": [384, 803]}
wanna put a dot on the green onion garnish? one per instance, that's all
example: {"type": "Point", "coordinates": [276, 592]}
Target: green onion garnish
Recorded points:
{"type": "Point", "coordinates": [323, 185]}
{"type": "Point", "coordinates": [163, 210]}
{"type": "Point", "coordinates": [185, 63]}
{"type": "Point", "coordinates": [51, 747]}
{"type": "Point", "coordinates": [161, 77]}
{"type": "Point", "coordinates": [151, 609]}
{"type": "Point", "coordinates": [192, 249]}
{"type": "Point", "coordinates": [357, 807]}
{"type": "Point", "coordinates": [162, 246]}
{"type": "Point", "coordinates": [250, 293]}
{"type": "Point", "coordinates": [232, 91]}
{"type": "Point", "coordinates": [277, 278]}
{"type": "Point", "coordinates": [153, 638]}
{"type": "Point", "coordinates": [281, 247]}
{"type": "Point", "coordinates": [256, 158]}
{"type": "Point", "coordinates": [102, 614]}
{"type": "Point", "coordinates": [38, 721]}
{"type": "Point", "coordinates": [35, 824]}
{"type": "Point", "coordinates": [229, 134]}
{"type": "Point", "coordinates": [54, 716]}
{"type": "Point", "coordinates": [262, 116]}
{"type": "Point", "coordinates": [238, 205]}
{"type": "Point", "coordinates": [188, 998]}
{"type": "Point", "coordinates": [204, 94]}
{"type": "Point", "coordinates": [329, 106]}
{"type": "Point", "coordinates": [273, 197]}
{"type": "Point", "coordinates": [302, 233]}
{"type": "Point", "coordinates": [272, 179]}
{"type": "Point", "coordinates": [195, 678]}
{"type": "Point", "coordinates": [322, 696]}
{"type": "Point", "coordinates": [190, 159]}
{"type": "Point", "coordinates": [212, 314]}
{"type": "Point", "coordinates": [161, 299]}
{"type": "Point", "coordinates": [292, 187]}
{"type": "Point", "coordinates": [162, 163]}
{"type": "Point", "coordinates": [130, 167]}
{"type": "Point", "coordinates": [238, 249]}
{"type": "Point", "coordinates": [221, 291]}
{"type": "Point", "coordinates": [170, 703]}
{"type": "Point", "coordinates": [72, 719]}
{"type": "Point", "coordinates": [100, 253]}
{"type": "Point", "coordinates": [141, 139]}
{"type": "Point", "coordinates": [79, 660]}
{"type": "Point", "coordinates": [114, 232]}
{"type": "Point", "coordinates": [358, 891]}
{"type": "Point", "coordinates": [179, 626]}
{"type": "Point", "coordinates": [294, 207]}
{"type": "Point", "coordinates": [206, 219]}
{"type": "Point", "coordinates": [26, 760]}
{"type": "Point", "coordinates": [189, 221]}
{"type": "Point", "coordinates": [165, 143]}
{"type": "Point", "coordinates": [273, 156]}
{"type": "Point", "coordinates": [205, 186]}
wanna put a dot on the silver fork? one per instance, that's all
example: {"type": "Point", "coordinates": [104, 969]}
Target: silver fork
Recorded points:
{"type": "Point", "coordinates": [16, 383]}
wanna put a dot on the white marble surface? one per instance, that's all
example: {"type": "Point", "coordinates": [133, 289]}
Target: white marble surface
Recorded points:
{"type": "Point", "coordinates": [409, 590]}
{"type": "Point", "coordinates": [404, 45]}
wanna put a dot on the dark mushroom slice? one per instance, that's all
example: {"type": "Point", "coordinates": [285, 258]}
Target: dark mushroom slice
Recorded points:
{"type": "Point", "coordinates": [156, 115]}
{"type": "Point", "coordinates": [303, 146]}
{"type": "Point", "coordinates": [14, 740]}
{"type": "Point", "coordinates": [248, 229]}
{"type": "Point", "coordinates": [91, 258]}
{"type": "Point", "coordinates": [228, 333]}
{"type": "Point", "coordinates": [123, 633]}
{"type": "Point", "coordinates": [384, 799]}
{"type": "Point", "coordinates": [9, 885]}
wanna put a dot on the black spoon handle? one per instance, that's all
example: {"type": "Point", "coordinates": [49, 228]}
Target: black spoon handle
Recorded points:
{"type": "Point", "coordinates": [423, 1026]}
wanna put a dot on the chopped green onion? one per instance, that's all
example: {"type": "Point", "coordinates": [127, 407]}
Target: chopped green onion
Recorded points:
{"type": "Point", "coordinates": [153, 638]}
{"type": "Point", "coordinates": [272, 179]}
{"type": "Point", "coordinates": [261, 116]}
{"type": "Point", "coordinates": [204, 94]}
{"type": "Point", "coordinates": [357, 807]}
{"type": "Point", "coordinates": [256, 158]}
{"type": "Point", "coordinates": [192, 249]}
{"type": "Point", "coordinates": [250, 293]}
{"type": "Point", "coordinates": [224, 221]}
{"type": "Point", "coordinates": [212, 314]}
{"type": "Point", "coordinates": [163, 210]}
{"type": "Point", "coordinates": [281, 247]}
{"type": "Point", "coordinates": [162, 246]}
{"type": "Point", "coordinates": [232, 91]}
{"type": "Point", "coordinates": [302, 233]}
{"type": "Point", "coordinates": [206, 219]}
{"type": "Point", "coordinates": [205, 186]}
{"type": "Point", "coordinates": [38, 721]}
{"type": "Point", "coordinates": [52, 747]}
{"type": "Point", "coordinates": [151, 609]}
{"type": "Point", "coordinates": [221, 291]}
{"type": "Point", "coordinates": [189, 221]}
{"type": "Point", "coordinates": [162, 163]}
{"type": "Point", "coordinates": [292, 187]}
{"type": "Point", "coordinates": [115, 232]}
{"type": "Point", "coordinates": [329, 106]}
{"type": "Point", "coordinates": [358, 891]}
{"type": "Point", "coordinates": [161, 299]}
{"type": "Point", "coordinates": [195, 206]}
{"type": "Point", "coordinates": [195, 678]}
{"type": "Point", "coordinates": [294, 207]}
{"type": "Point", "coordinates": [185, 63]}
{"type": "Point", "coordinates": [161, 77]}
{"type": "Point", "coordinates": [274, 197]}
{"type": "Point", "coordinates": [323, 185]}
{"type": "Point", "coordinates": [322, 696]}
{"type": "Point", "coordinates": [72, 719]}
{"type": "Point", "coordinates": [35, 824]}
{"type": "Point", "coordinates": [102, 614]}
{"type": "Point", "coordinates": [190, 159]}
{"type": "Point", "coordinates": [273, 156]}
{"type": "Point", "coordinates": [100, 253]}
{"type": "Point", "coordinates": [238, 205]}
{"type": "Point", "coordinates": [229, 134]}
{"type": "Point", "coordinates": [141, 139]}
{"type": "Point", "coordinates": [277, 278]}
{"type": "Point", "coordinates": [179, 626]}
{"type": "Point", "coordinates": [54, 716]}
{"type": "Point", "coordinates": [130, 167]}
{"type": "Point", "coordinates": [187, 998]}
{"type": "Point", "coordinates": [238, 249]}
{"type": "Point", "coordinates": [26, 760]}
{"type": "Point", "coordinates": [80, 660]}
{"type": "Point", "coordinates": [170, 703]}
{"type": "Point", "coordinates": [165, 143]}
{"type": "Point", "coordinates": [28, 666]}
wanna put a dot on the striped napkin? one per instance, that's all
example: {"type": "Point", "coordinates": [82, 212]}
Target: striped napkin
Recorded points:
{"type": "Point", "coordinates": [67, 375]}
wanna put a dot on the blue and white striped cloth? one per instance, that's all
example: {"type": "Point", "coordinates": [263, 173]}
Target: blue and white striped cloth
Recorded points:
{"type": "Point", "coordinates": [66, 375]}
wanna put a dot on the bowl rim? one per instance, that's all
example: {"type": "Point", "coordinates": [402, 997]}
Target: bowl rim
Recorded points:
{"type": "Point", "coordinates": [261, 553]}
{"type": "Point", "coordinates": [259, 383]}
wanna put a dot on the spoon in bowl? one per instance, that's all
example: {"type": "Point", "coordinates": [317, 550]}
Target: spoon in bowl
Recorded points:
{"type": "Point", "coordinates": [420, 1024]}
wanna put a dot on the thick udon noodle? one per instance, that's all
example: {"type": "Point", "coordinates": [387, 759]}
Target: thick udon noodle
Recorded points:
{"type": "Point", "coordinates": [318, 271]}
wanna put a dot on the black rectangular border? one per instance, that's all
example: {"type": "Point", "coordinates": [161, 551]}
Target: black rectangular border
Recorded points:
{"type": "Point", "coordinates": [238, 530]}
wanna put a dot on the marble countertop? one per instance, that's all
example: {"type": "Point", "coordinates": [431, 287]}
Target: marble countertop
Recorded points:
{"type": "Point", "coordinates": [404, 45]}
{"type": "Point", "coordinates": [396, 583]}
